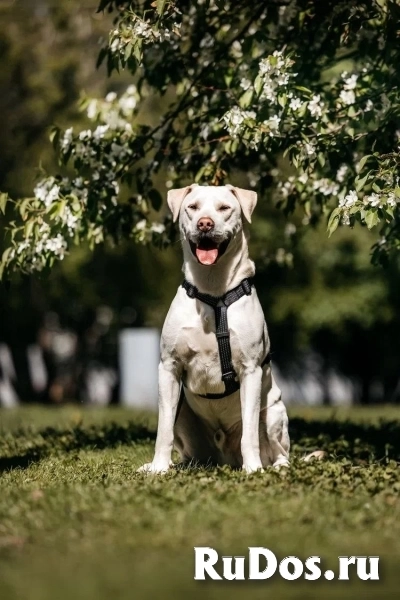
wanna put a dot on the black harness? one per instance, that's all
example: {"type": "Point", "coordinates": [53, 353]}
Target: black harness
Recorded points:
{"type": "Point", "coordinates": [220, 305]}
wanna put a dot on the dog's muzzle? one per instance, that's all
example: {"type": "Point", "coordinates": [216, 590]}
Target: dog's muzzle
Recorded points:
{"type": "Point", "coordinates": [208, 251]}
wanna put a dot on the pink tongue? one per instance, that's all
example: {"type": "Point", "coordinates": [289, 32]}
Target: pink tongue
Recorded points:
{"type": "Point", "coordinates": [207, 257]}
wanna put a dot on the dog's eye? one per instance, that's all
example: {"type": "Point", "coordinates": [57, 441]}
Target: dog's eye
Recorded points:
{"type": "Point", "coordinates": [193, 206]}
{"type": "Point", "coordinates": [224, 207]}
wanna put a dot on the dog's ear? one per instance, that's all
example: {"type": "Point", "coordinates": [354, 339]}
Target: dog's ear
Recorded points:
{"type": "Point", "coordinates": [175, 199]}
{"type": "Point", "coordinates": [247, 200]}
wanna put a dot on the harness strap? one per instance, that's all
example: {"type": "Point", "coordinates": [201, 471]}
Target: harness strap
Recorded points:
{"type": "Point", "coordinates": [266, 361]}
{"type": "Point", "coordinates": [220, 305]}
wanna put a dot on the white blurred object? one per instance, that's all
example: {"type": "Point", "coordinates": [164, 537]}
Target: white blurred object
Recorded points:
{"type": "Point", "coordinates": [100, 382]}
{"type": "Point", "coordinates": [309, 385]}
{"type": "Point", "coordinates": [37, 368]}
{"type": "Point", "coordinates": [139, 353]}
{"type": "Point", "coordinates": [8, 395]}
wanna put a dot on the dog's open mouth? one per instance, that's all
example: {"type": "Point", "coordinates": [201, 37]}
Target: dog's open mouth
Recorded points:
{"type": "Point", "coordinates": [207, 251]}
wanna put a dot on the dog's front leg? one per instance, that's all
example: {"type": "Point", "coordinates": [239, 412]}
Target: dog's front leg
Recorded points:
{"type": "Point", "coordinates": [250, 400]}
{"type": "Point", "coordinates": [168, 398]}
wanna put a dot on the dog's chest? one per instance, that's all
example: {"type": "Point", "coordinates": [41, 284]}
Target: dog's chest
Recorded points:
{"type": "Point", "coordinates": [197, 342]}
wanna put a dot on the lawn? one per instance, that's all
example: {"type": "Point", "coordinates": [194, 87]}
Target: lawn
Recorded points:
{"type": "Point", "coordinates": [77, 521]}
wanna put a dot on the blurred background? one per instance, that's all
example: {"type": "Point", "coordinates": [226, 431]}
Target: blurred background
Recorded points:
{"type": "Point", "coordinates": [89, 332]}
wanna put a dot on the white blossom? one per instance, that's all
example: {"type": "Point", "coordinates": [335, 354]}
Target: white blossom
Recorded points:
{"type": "Point", "coordinates": [245, 83]}
{"type": "Point", "coordinates": [315, 106]}
{"type": "Point", "coordinates": [91, 110]}
{"type": "Point", "coordinates": [273, 124]}
{"type": "Point", "coordinates": [66, 141]}
{"type": "Point", "coordinates": [310, 149]}
{"type": "Point", "coordinates": [100, 131]}
{"type": "Point", "coordinates": [373, 200]}
{"type": "Point", "coordinates": [234, 119]}
{"type": "Point", "coordinates": [350, 83]}
{"type": "Point", "coordinates": [369, 105]}
{"type": "Point", "coordinates": [85, 135]}
{"type": "Point", "coordinates": [290, 229]}
{"type": "Point", "coordinates": [349, 200]}
{"type": "Point", "coordinates": [127, 104]}
{"type": "Point", "coordinates": [47, 191]}
{"type": "Point", "coordinates": [141, 225]}
{"type": "Point", "coordinates": [295, 103]}
{"type": "Point", "coordinates": [70, 220]}
{"type": "Point", "coordinates": [325, 186]}
{"type": "Point", "coordinates": [347, 97]}
{"type": "Point", "coordinates": [157, 227]}
{"type": "Point", "coordinates": [274, 71]}
{"type": "Point", "coordinates": [303, 178]}
{"type": "Point", "coordinates": [341, 173]}
{"type": "Point", "coordinates": [345, 219]}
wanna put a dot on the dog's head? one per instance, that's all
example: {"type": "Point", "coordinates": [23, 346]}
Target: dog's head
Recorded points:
{"type": "Point", "coordinates": [210, 217]}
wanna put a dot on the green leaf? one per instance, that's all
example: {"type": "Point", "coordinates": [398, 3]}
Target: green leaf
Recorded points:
{"type": "Point", "coordinates": [371, 218]}
{"type": "Point", "coordinates": [137, 50]}
{"type": "Point", "coordinates": [128, 51]}
{"type": "Point", "coordinates": [57, 209]}
{"type": "Point", "coordinates": [362, 162]}
{"type": "Point", "coordinates": [246, 98]}
{"type": "Point", "coordinates": [103, 4]}
{"type": "Point", "coordinates": [303, 89]}
{"type": "Point", "coordinates": [199, 174]}
{"type": "Point", "coordinates": [23, 207]}
{"type": "Point", "coordinates": [355, 209]}
{"type": "Point", "coordinates": [359, 183]}
{"type": "Point", "coordinates": [160, 4]}
{"type": "Point", "coordinates": [28, 229]}
{"type": "Point", "coordinates": [351, 112]}
{"type": "Point", "coordinates": [228, 79]}
{"type": "Point", "coordinates": [55, 136]}
{"type": "Point", "coordinates": [4, 260]}
{"type": "Point", "coordinates": [155, 199]}
{"type": "Point", "coordinates": [321, 159]}
{"type": "Point", "coordinates": [102, 54]}
{"type": "Point", "coordinates": [282, 100]}
{"type": "Point", "coordinates": [388, 213]}
{"type": "Point", "coordinates": [333, 221]}
{"type": "Point", "coordinates": [3, 202]}
{"type": "Point", "coordinates": [258, 84]}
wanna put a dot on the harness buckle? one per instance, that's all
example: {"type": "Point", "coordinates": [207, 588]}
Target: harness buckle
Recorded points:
{"type": "Point", "coordinates": [222, 334]}
{"type": "Point", "coordinates": [228, 375]}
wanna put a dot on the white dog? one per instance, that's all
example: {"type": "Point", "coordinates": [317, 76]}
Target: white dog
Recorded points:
{"type": "Point", "coordinates": [239, 420]}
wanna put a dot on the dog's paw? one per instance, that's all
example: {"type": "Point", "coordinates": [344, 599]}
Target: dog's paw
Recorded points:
{"type": "Point", "coordinates": [281, 462]}
{"type": "Point", "coordinates": [317, 455]}
{"type": "Point", "coordinates": [154, 467]}
{"type": "Point", "coordinates": [252, 468]}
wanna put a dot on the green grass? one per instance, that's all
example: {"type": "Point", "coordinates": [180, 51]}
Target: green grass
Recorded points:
{"type": "Point", "coordinates": [77, 521]}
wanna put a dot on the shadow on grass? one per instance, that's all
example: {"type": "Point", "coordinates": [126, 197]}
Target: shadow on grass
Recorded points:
{"type": "Point", "coordinates": [355, 441]}
{"type": "Point", "coordinates": [53, 441]}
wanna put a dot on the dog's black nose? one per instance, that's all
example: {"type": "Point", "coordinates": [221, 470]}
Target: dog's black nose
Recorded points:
{"type": "Point", "coordinates": [205, 224]}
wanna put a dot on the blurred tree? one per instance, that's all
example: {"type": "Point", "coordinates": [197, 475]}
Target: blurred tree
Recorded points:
{"type": "Point", "coordinates": [176, 119]}
{"type": "Point", "coordinates": [277, 89]}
